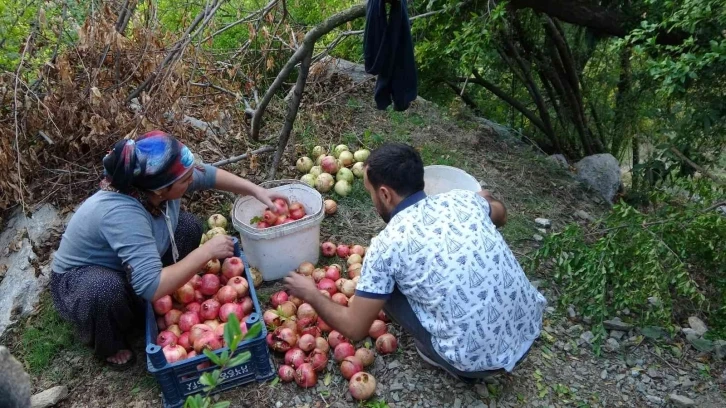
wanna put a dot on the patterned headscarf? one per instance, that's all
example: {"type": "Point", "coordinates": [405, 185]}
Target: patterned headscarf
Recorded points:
{"type": "Point", "coordinates": [152, 162]}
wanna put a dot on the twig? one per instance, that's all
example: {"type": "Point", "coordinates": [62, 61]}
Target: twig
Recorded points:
{"type": "Point", "coordinates": [264, 149]}
{"type": "Point", "coordinates": [343, 91]}
{"type": "Point", "coordinates": [696, 166]}
{"type": "Point", "coordinates": [256, 15]}
{"type": "Point", "coordinates": [219, 88]}
{"type": "Point", "coordinates": [46, 137]}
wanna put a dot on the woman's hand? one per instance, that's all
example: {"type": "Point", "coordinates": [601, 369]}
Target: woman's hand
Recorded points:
{"type": "Point", "coordinates": [266, 196]}
{"type": "Point", "coordinates": [219, 247]}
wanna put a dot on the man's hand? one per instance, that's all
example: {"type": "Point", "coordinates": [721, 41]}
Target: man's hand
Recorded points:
{"type": "Point", "coordinates": [301, 286]}
{"type": "Point", "coordinates": [498, 211]}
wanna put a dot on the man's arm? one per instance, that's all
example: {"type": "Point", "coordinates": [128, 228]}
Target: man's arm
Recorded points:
{"type": "Point", "coordinates": [352, 321]}
{"type": "Point", "coordinates": [498, 210]}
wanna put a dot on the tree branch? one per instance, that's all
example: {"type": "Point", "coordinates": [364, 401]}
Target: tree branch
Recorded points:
{"type": "Point", "coordinates": [464, 97]}
{"type": "Point", "coordinates": [695, 166]}
{"type": "Point", "coordinates": [235, 159]}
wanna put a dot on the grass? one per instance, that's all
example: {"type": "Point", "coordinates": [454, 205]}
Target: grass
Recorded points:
{"type": "Point", "coordinates": [518, 227]}
{"type": "Point", "coordinates": [44, 336]}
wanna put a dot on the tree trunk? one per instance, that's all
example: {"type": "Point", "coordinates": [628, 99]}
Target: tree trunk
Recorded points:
{"type": "Point", "coordinates": [464, 97]}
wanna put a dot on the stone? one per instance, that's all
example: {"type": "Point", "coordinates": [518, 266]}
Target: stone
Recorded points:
{"type": "Point", "coordinates": [393, 365]}
{"type": "Point", "coordinates": [329, 66]}
{"type": "Point", "coordinates": [584, 215]}
{"type": "Point", "coordinates": [681, 400]}
{"type": "Point", "coordinates": [604, 374]}
{"type": "Point", "coordinates": [655, 399]}
{"type": "Point", "coordinates": [49, 397]}
{"type": "Point", "coordinates": [601, 172]}
{"type": "Point", "coordinates": [617, 324]}
{"type": "Point", "coordinates": [543, 222]}
{"type": "Point", "coordinates": [481, 390]}
{"type": "Point", "coordinates": [575, 330]}
{"type": "Point", "coordinates": [538, 238]}
{"type": "Point", "coordinates": [698, 325]}
{"type": "Point", "coordinates": [719, 349]}
{"type": "Point", "coordinates": [22, 284]}
{"type": "Point", "coordinates": [687, 331]}
{"type": "Point", "coordinates": [542, 231]}
{"type": "Point", "coordinates": [395, 397]}
{"type": "Point", "coordinates": [617, 334]}
{"type": "Point", "coordinates": [457, 403]}
{"type": "Point", "coordinates": [653, 373]}
{"type": "Point", "coordinates": [14, 381]}
{"type": "Point", "coordinates": [655, 301]}
{"type": "Point", "coordinates": [571, 312]}
{"type": "Point", "coordinates": [559, 160]}
{"type": "Point", "coordinates": [612, 345]}
{"type": "Point", "coordinates": [587, 337]}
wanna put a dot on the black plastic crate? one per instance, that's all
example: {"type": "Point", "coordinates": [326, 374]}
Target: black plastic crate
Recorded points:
{"type": "Point", "coordinates": [181, 379]}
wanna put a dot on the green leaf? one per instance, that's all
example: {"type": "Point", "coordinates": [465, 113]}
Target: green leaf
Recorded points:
{"type": "Point", "coordinates": [275, 381]}
{"type": "Point", "coordinates": [253, 331]}
{"type": "Point", "coordinates": [702, 345]}
{"type": "Point", "coordinates": [221, 404]}
{"type": "Point", "coordinates": [210, 355]}
{"type": "Point", "coordinates": [231, 330]}
{"type": "Point", "coordinates": [653, 332]}
{"type": "Point", "coordinates": [192, 401]}
{"type": "Point", "coordinates": [241, 358]}
{"type": "Point", "coordinates": [208, 380]}
{"type": "Point", "coordinates": [327, 379]}
{"type": "Point", "coordinates": [255, 220]}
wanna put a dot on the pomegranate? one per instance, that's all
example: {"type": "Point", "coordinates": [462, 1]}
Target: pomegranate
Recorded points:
{"type": "Point", "coordinates": [228, 309]}
{"type": "Point", "coordinates": [162, 305]}
{"type": "Point", "coordinates": [217, 220]}
{"type": "Point", "coordinates": [281, 206]}
{"type": "Point", "coordinates": [160, 323]}
{"type": "Point", "coordinates": [356, 279]}
{"type": "Point", "coordinates": [287, 309]}
{"type": "Point", "coordinates": [209, 340]}
{"type": "Point", "coordinates": [324, 326]}
{"type": "Point", "coordinates": [336, 266]}
{"type": "Point", "coordinates": [282, 339]}
{"type": "Point", "coordinates": [193, 307]}
{"type": "Point", "coordinates": [340, 299]}
{"type": "Point", "coordinates": [358, 250]}
{"type": "Point", "coordinates": [210, 284]}
{"type": "Point", "coordinates": [184, 294]}
{"type": "Point", "coordinates": [318, 274]}
{"type": "Point", "coordinates": [295, 301]}
{"type": "Point", "coordinates": [278, 298]}
{"type": "Point", "coordinates": [382, 316]}
{"type": "Point", "coordinates": [332, 273]}
{"type": "Point", "coordinates": [365, 356]}
{"type": "Point", "coordinates": [172, 317]}
{"type": "Point", "coordinates": [386, 344]}
{"type": "Point", "coordinates": [348, 288]}
{"type": "Point", "coordinates": [187, 320]}
{"type": "Point", "coordinates": [354, 258]}
{"type": "Point", "coordinates": [195, 281]}
{"type": "Point", "coordinates": [358, 169]}
{"type": "Point", "coordinates": [328, 249]}
{"type": "Point", "coordinates": [281, 219]}
{"type": "Point", "coordinates": [343, 251]}
{"type": "Point", "coordinates": [191, 354]}
{"type": "Point", "coordinates": [174, 329]}
{"type": "Point", "coordinates": [271, 319]}
{"type": "Point", "coordinates": [378, 329]}
{"type": "Point", "coordinates": [330, 207]}
{"type": "Point", "coordinates": [322, 344]}
{"type": "Point", "coordinates": [343, 188]}
{"type": "Point", "coordinates": [305, 310]}
{"type": "Point", "coordinates": [347, 160]}
{"type": "Point", "coordinates": [335, 339]}
{"type": "Point", "coordinates": [213, 323]}
{"type": "Point", "coordinates": [198, 296]}
{"type": "Point", "coordinates": [329, 165]}
{"type": "Point", "coordinates": [325, 293]}
{"type": "Point", "coordinates": [318, 359]}
{"type": "Point", "coordinates": [269, 217]}
{"type": "Point", "coordinates": [166, 337]}
{"type": "Point", "coordinates": [339, 283]}
{"type": "Point", "coordinates": [350, 300]}
{"type": "Point", "coordinates": [304, 164]}
{"type": "Point", "coordinates": [240, 285]}
{"type": "Point", "coordinates": [342, 351]}
{"type": "Point", "coordinates": [209, 309]}
{"type": "Point", "coordinates": [226, 294]}
{"type": "Point", "coordinates": [350, 366]}
{"type": "Point", "coordinates": [219, 331]}
{"type": "Point", "coordinates": [297, 211]}
{"type": "Point", "coordinates": [263, 225]}
{"type": "Point", "coordinates": [328, 285]}
{"type": "Point", "coordinates": [306, 268]}
{"type": "Point", "coordinates": [232, 267]}
{"type": "Point", "coordinates": [290, 323]}
{"type": "Point", "coordinates": [212, 267]}
{"type": "Point", "coordinates": [306, 342]}
{"type": "Point", "coordinates": [308, 325]}
{"type": "Point", "coordinates": [286, 373]}
{"type": "Point", "coordinates": [174, 353]}
{"type": "Point", "coordinates": [305, 376]}
{"type": "Point", "coordinates": [362, 386]}
{"type": "Point", "coordinates": [197, 331]}
{"type": "Point", "coordinates": [354, 270]}
{"type": "Point", "coordinates": [295, 357]}
{"type": "Point", "coordinates": [247, 305]}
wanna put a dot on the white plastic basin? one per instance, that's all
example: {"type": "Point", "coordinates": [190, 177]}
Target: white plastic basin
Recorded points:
{"type": "Point", "coordinates": [441, 179]}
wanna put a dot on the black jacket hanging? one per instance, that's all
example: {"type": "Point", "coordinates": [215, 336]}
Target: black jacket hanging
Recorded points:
{"type": "Point", "coordinates": [388, 53]}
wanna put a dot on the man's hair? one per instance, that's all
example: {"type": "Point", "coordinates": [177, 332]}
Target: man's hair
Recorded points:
{"type": "Point", "coordinates": [398, 166]}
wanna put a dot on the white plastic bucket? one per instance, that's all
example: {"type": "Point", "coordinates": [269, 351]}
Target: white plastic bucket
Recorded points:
{"type": "Point", "coordinates": [441, 179]}
{"type": "Point", "coordinates": [276, 251]}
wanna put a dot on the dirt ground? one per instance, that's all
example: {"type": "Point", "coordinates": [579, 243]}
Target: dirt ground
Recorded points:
{"type": "Point", "coordinates": [560, 371]}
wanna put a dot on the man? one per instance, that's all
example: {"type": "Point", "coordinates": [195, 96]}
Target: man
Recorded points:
{"type": "Point", "coordinates": [441, 270]}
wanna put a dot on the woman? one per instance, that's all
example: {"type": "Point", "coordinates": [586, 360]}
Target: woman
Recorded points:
{"type": "Point", "coordinates": [129, 241]}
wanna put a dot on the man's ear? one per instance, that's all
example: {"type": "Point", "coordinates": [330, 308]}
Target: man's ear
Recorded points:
{"type": "Point", "coordinates": [385, 194]}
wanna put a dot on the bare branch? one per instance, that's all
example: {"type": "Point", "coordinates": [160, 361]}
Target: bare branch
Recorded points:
{"type": "Point", "coordinates": [256, 15]}
{"type": "Point", "coordinates": [235, 159]}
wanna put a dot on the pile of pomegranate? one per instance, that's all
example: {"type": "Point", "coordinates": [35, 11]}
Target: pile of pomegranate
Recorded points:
{"type": "Point", "coordinates": [283, 213]}
{"type": "Point", "coordinates": [342, 163]}
{"type": "Point", "coordinates": [193, 318]}
{"type": "Point", "coordinates": [307, 342]}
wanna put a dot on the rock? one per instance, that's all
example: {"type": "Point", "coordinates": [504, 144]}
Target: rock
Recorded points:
{"type": "Point", "coordinates": [575, 330]}
{"type": "Point", "coordinates": [687, 331]}
{"type": "Point", "coordinates": [481, 390]}
{"type": "Point", "coordinates": [655, 302]}
{"type": "Point", "coordinates": [393, 365]}
{"type": "Point", "coordinates": [719, 349]}
{"type": "Point", "coordinates": [604, 374]}
{"type": "Point", "coordinates": [617, 334]}
{"type": "Point", "coordinates": [587, 337]}
{"type": "Point", "coordinates": [571, 312]}
{"type": "Point", "coordinates": [612, 345]}
{"type": "Point", "coordinates": [698, 325]}
{"type": "Point", "coordinates": [655, 400]}
{"type": "Point", "coordinates": [653, 373]}
{"type": "Point", "coordinates": [329, 66]}
{"type": "Point", "coordinates": [49, 397]}
{"type": "Point", "coordinates": [22, 284]}
{"type": "Point", "coordinates": [542, 231]}
{"type": "Point", "coordinates": [559, 160]}
{"type": "Point", "coordinates": [395, 397]}
{"type": "Point", "coordinates": [543, 222]}
{"type": "Point", "coordinates": [457, 403]}
{"type": "Point", "coordinates": [601, 172]}
{"type": "Point", "coordinates": [538, 238]}
{"type": "Point", "coordinates": [617, 324]}
{"type": "Point", "coordinates": [584, 215]}
{"type": "Point", "coordinates": [14, 381]}
{"type": "Point", "coordinates": [681, 401]}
